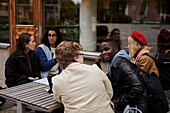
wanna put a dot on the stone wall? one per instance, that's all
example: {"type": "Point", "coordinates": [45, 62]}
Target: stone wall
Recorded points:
{"type": "Point", "coordinates": [4, 54]}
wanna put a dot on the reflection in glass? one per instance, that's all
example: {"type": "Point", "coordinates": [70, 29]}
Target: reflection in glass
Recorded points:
{"type": "Point", "coordinates": [145, 16]}
{"type": "Point", "coordinates": [4, 24]}
{"type": "Point", "coordinates": [24, 12]}
{"type": "Point", "coordinates": [64, 15]}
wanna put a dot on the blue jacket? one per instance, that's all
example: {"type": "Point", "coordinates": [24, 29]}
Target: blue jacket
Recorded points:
{"type": "Point", "coordinates": [45, 58]}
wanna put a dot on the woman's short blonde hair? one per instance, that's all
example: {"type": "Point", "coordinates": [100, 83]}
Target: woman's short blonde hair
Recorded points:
{"type": "Point", "coordinates": [133, 46]}
{"type": "Point", "coordinates": [66, 51]}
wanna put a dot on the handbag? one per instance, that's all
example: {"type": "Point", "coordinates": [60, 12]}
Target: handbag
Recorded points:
{"type": "Point", "coordinates": [129, 109]}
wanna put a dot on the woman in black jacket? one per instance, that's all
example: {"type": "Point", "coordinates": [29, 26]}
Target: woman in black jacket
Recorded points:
{"type": "Point", "coordinates": [22, 66]}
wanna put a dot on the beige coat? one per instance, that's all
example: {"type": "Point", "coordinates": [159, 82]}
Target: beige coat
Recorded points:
{"type": "Point", "coordinates": [146, 63]}
{"type": "Point", "coordinates": [83, 89]}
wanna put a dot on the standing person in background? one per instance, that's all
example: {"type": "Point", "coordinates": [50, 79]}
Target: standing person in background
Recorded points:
{"type": "Point", "coordinates": [22, 66]}
{"type": "Point", "coordinates": [137, 50]}
{"type": "Point", "coordinates": [115, 34]}
{"type": "Point", "coordinates": [80, 87]}
{"type": "Point", "coordinates": [46, 52]}
{"type": "Point", "coordinates": [126, 81]}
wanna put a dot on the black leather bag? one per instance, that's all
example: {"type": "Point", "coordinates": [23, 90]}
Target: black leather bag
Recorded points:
{"type": "Point", "coordinates": [156, 94]}
{"type": "Point", "coordinates": [162, 62]}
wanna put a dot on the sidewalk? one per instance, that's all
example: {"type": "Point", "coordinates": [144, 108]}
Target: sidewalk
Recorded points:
{"type": "Point", "coordinates": [14, 109]}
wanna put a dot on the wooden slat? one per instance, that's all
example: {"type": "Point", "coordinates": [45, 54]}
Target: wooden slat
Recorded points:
{"type": "Point", "coordinates": [29, 95]}
{"type": "Point", "coordinates": [50, 100]}
{"type": "Point", "coordinates": [42, 100]}
{"type": "Point", "coordinates": [32, 95]}
{"type": "Point", "coordinates": [26, 90]}
{"type": "Point", "coordinates": [36, 99]}
{"type": "Point", "coordinates": [48, 104]}
{"type": "Point", "coordinates": [17, 88]}
{"type": "Point", "coordinates": [54, 106]}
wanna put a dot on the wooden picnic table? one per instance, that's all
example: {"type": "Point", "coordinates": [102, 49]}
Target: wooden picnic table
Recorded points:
{"type": "Point", "coordinates": [31, 95]}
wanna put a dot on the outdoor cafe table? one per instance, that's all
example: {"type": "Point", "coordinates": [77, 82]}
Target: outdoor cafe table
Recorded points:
{"type": "Point", "coordinates": [31, 95]}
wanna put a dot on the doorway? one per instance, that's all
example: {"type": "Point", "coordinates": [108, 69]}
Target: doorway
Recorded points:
{"type": "Point", "coordinates": [25, 16]}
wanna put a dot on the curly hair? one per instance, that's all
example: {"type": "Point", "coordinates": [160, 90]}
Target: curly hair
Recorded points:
{"type": "Point", "coordinates": [66, 51]}
{"type": "Point", "coordinates": [45, 40]}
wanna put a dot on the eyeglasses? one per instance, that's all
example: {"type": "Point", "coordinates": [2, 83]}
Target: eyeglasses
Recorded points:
{"type": "Point", "coordinates": [116, 33]}
{"type": "Point", "coordinates": [52, 35]}
{"type": "Point", "coordinates": [81, 54]}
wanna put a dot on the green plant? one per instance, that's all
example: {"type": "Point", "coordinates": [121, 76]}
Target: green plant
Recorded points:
{"type": "Point", "coordinates": [69, 30]}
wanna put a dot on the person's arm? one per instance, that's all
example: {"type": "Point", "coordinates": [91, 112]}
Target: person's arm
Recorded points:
{"type": "Point", "coordinates": [98, 60]}
{"type": "Point", "coordinates": [56, 95]}
{"type": "Point", "coordinates": [44, 63]}
{"type": "Point", "coordinates": [106, 82]}
{"type": "Point", "coordinates": [108, 86]}
{"type": "Point", "coordinates": [36, 68]}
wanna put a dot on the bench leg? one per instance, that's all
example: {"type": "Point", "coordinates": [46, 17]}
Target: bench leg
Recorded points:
{"type": "Point", "coordinates": [20, 107]}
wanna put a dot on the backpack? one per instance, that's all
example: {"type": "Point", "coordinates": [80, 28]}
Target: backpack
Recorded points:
{"type": "Point", "coordinates": [162, 62]}
{"type": "Point", "coordinates": [156, 95]}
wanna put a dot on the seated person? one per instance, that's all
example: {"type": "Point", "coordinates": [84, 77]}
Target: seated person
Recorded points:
{"type": "Point", "coordinates": [22, 66]}
{"type": "Point", "coordinates": [80, 87]}
{"type": "Point", "coordinates": [46, 52]}
{"type": "Point", "coordinates": [125, 78]}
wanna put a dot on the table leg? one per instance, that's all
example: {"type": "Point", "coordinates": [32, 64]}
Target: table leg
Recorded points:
{"type": "Point", "coordinates": [20, 107]}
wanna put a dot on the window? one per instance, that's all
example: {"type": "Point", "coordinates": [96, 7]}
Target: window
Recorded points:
{"type": "Point", "coordinates": [24, 12]}
{"type": "Point", "coordinates": [4, 21]}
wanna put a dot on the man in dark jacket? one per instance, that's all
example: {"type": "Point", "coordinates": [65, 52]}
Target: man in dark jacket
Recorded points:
{"type": "Point", "coordinates": [126, 81]}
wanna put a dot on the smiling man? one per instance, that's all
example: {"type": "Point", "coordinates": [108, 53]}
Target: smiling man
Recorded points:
{"type": "Point", "coordinates": [126, 81]}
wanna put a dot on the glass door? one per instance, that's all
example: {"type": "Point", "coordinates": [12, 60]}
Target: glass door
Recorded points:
{"type": "Point", "coordinates": [25, 16]}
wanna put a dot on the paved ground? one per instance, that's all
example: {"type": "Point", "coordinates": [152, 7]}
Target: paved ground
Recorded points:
{"type": "Point", "coordinates": [14, 108]}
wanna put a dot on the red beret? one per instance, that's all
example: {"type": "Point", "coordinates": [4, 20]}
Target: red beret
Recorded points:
{"type": "Point", "coordinates": [139, 38]}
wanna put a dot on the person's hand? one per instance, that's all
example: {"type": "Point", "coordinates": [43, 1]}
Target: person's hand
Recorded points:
{"type": "Point", "coordinates": [30, 78]}
{"type": "Point", "coordinates": [36, 78]}
{"type": "Point", "coordinates": [99, 59]}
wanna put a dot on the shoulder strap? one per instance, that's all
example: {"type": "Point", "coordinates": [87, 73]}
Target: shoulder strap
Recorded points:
{"type": "Point", "coordinates": [142, 70]}
{"type": "Point", "coordinates": [150, 56]}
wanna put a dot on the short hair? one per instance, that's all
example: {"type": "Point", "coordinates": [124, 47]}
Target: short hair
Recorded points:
{"type": "Point", "coordinates": [114, 43]}
{"type": "Point", "coordinates": [45, 40]}
{"type": "Point", "coordinates": [66, 51]}
{"type": "Point", "coordinates": [112, 32]}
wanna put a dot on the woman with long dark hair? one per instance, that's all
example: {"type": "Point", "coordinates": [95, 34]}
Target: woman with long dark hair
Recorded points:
{"type": "Point", "coordinates": [22, 66]}
{"type": "Point", "coordinates": [46, 52]}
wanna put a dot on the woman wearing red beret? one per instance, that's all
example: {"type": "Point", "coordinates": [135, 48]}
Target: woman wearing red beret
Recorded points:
{"type": "Point", "coordinates": [137, 50]}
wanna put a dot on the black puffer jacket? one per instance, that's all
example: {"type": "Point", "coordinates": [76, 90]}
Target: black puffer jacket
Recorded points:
{"type": "Point", "coordinates": [18, 68]}
{"type": "Point", "coordinates": [128, 86]}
